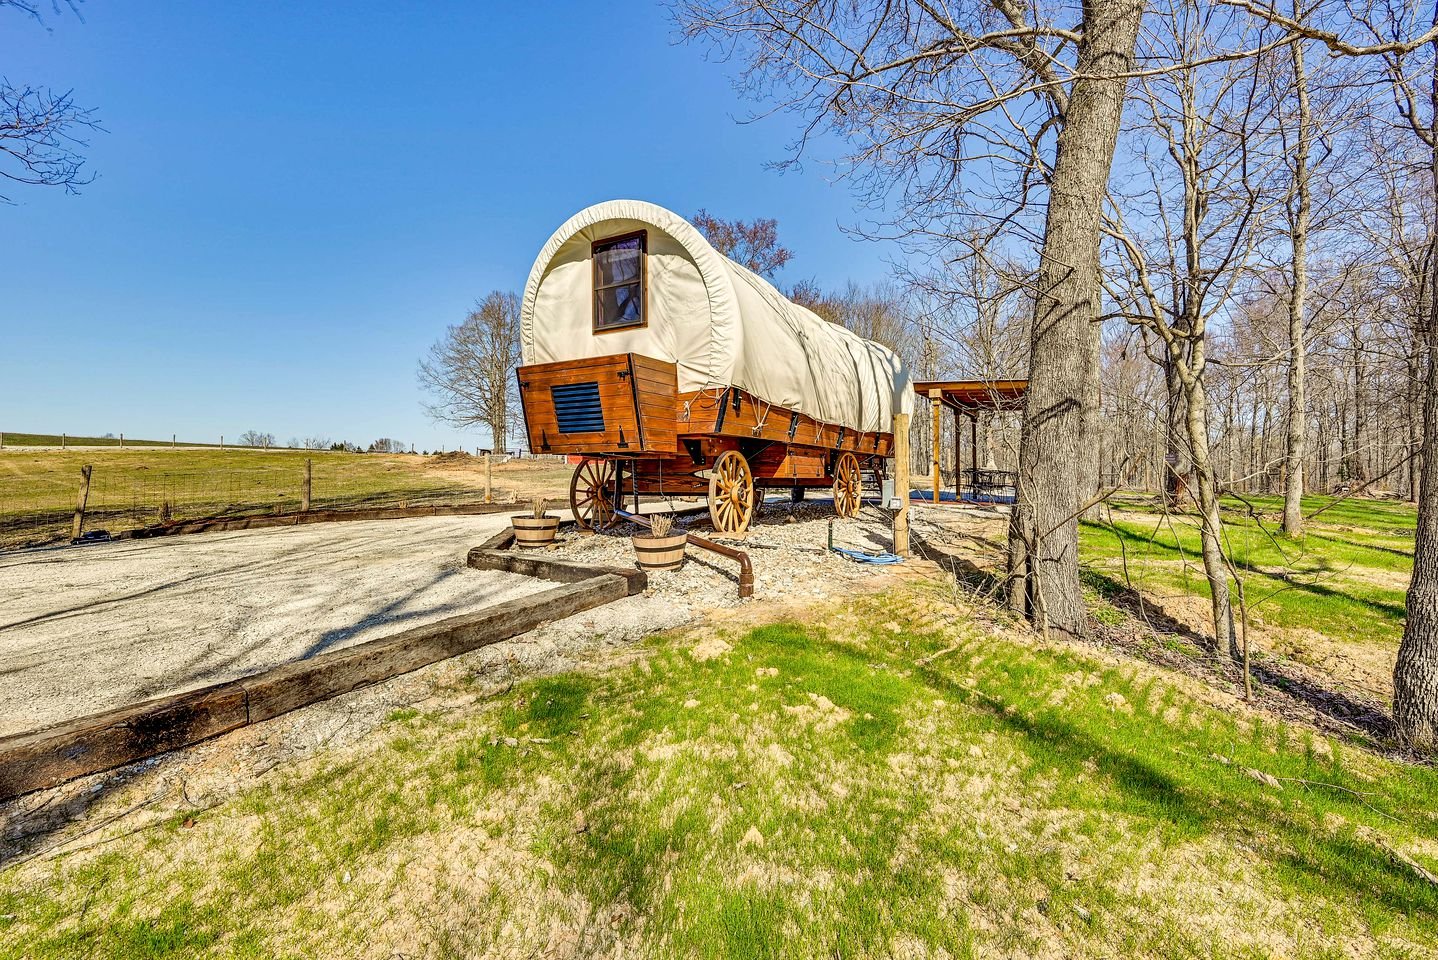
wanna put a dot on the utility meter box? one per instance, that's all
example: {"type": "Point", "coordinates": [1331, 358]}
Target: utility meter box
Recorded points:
{"type": "Point", "coordinates": [890, 498]}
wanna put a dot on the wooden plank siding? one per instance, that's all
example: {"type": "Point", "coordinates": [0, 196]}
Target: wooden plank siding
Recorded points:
{"type": "Point", "coordinates": [636, 394]}
{"type": "Point", "coordinates": [674, 437]}
{"type": "Point", "coordinates": [754, 419]}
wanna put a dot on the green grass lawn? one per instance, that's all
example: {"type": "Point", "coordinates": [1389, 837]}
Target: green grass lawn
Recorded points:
{"type": "Point", "coordinates": [38, 488]}
{"type": "Point", "coordinates": [1346, 579]}
{"type": "Point", "coordinates": [887, 779]}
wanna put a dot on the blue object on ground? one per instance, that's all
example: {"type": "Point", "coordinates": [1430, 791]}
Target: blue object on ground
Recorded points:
{"type": "Point", "coordinates": [947, 496]}
{"type": "Point", "coordinates": [863, 557]}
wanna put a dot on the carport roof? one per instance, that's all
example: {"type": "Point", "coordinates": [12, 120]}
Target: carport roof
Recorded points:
{"type": "Point", "coordinates": [971, 396]}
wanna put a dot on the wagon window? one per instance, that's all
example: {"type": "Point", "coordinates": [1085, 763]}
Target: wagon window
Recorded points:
{"type": "Point", "coordinates": [619, 282]}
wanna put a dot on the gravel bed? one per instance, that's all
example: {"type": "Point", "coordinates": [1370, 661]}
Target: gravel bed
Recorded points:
{"type": "Point", "coordinates": [787, 547]}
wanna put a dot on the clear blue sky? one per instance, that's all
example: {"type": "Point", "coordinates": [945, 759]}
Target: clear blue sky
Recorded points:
{"type": "Point", "coordinates": [293, 200]}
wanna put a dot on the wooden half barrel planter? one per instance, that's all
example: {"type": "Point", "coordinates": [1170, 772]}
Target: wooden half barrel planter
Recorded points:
{"type": "Point", "coordinates": [659, 553]}
{"type": "Point", "coordinates": [534, 532]}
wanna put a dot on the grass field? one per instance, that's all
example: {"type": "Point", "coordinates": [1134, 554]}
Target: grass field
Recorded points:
{"type": "Point", "coordinates": [889, 778]}
{"type": "Point", "coordinates": [1340, 590]}
{"type": "Point", "coordinates": [55, 439]}
{"type": "Point", "coordinates": [129, 487]}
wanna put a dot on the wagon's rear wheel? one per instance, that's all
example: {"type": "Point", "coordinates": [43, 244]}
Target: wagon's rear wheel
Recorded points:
{"type": "Point", "coordinates": [848, 486]}
{"type": "Point", "coordinates": [731, 493]}
{"type": "Point", "coordinates": [591, 494]}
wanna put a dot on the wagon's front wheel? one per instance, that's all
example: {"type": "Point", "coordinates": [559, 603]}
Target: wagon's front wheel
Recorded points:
{"type": "Point", "coordinates": [731, 493]}
{"type": "Point", "coordinates": [591, 494]}
{"type": "Point", "coordinates": [848, 486]}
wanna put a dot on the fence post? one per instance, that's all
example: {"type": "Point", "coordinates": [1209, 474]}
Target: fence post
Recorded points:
{"type": "Point", "coordinates": [122, 441]}
{"type": "Point", "coordinates": [222, 441]}
{"type": "Point", "coordinates": [64, 441]}
{"type": "Point", "coordinates": [488, 480]}
{"type": "Point", "coordinates": [78, 525]}
{"type": "Point", "coordinates": [309, 478]}
{"type": "Point", "coordinates": [172, 441]}
{"type": "Point", "coordinates": [901, 483]}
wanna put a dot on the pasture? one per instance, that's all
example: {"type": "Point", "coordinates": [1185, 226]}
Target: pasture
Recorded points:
{"type": "Point", "coordinates": [133, 487]}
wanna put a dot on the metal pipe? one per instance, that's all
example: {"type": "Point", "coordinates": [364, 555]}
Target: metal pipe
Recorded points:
{"type": "Point", "coordinates": [746, 570]}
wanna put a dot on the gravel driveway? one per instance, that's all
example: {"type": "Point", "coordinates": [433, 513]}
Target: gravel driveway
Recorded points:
{"type": "Point", "coordinates": [90, 628]}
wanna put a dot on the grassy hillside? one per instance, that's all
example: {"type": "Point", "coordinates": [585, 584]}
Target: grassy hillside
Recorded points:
{"type": "Point", "coordinates": [129, 488]}
{"type": "Point", "coordinates": [1337, 593]}
{"type": "Point", "coordinates": [889, 778]}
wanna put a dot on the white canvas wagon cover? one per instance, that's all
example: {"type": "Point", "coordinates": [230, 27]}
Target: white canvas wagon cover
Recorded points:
{"type": "Point", "coordinates": [719, 323]}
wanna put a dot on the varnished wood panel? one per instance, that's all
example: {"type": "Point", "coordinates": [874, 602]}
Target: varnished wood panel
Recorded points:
{"type": "Point", "coordinates": [637, 400]}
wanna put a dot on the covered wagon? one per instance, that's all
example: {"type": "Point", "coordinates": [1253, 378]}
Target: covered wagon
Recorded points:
{"type": "Point", "coordinates": [675, 371]}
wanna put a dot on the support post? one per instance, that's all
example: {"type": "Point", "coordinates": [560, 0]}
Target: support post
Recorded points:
{"type": "Point", "coordinates": [172, 441]}
{"type": "Point", "coordinates": [901, 483]}
{"type": "Point", "coordinates": [222, 441]}
{"type": "Point", "coordinates": [958, 456]}
{"type": "Point", "coordinates": [974, 445]}
{"type": "Point", "coordinates": [78, 525]}
{"type": "Point", "coordinates": [488, 480]}
{"type": "Point", "coordinates": [308, 487]}
{"type": "Point", "coordinates": [64, 441]}
{"type": "Point", "coordinates": [935, 402]}
{"type": "Point", "coordinates": [122, 441]}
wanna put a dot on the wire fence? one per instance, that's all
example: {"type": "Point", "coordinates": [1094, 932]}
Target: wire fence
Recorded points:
{"type": "Point", "coordinates": [39, 493]}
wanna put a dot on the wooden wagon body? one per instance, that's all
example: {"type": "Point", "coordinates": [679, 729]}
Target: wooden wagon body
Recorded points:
{"type": "Point", "coordinates": [643, 433]}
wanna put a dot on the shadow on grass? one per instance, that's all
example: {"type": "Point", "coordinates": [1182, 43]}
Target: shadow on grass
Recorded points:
{"type": "Point", "coordinates": [1348, 713]}
{"type": "Point", "coordinates": [1083, 759]}
{"type": "Point", "coordinates": [1290, 579]}
{"type": "Point", "coordinates": [1150, 783]}
{"type": "Point", "coordinates": [1356, 545]}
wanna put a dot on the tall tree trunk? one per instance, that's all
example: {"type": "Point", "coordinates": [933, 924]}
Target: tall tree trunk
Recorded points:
{"type": "Point", "coordinates": [1413, 408]}
{"type": "Point", "coordinates": [1063, 367]}
{"type": "Point", "coordinates": [1415, 675]}
{"type": "Point", "coordinates": [1178, 466]}
{"type": "Point", "coordinates": [1359, 472]}
{"type": "Point", "coordinates": [1210, 529]}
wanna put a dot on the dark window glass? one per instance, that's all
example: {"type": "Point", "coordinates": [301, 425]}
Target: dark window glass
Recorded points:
{"type": "Point", "coordinates": [619, 306]}
{"type": "Point", "coordinates": [619, 282]}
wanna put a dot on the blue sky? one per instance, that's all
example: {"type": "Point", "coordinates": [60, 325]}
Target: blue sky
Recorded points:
{"type": "Point", "coordinates": [292, 201]}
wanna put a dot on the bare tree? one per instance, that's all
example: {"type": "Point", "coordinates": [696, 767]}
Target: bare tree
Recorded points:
{"type": "Point", "coordinates": [470, 371]}
{"type": "Point", "coordinates": [317, 443]}
{"type": "Point", "coordinates": [948, 107]}
{"type": "Point", "coordinates": [255, 438]}
{"type": "Point", "coordinates": [1403, 44]}
{"type": "Point", "coordinates": [1200, 129]}
{"type": "Point", "coordinates": [41, 130]}
{"type": "Point", "coordinates": [753, 244]}
{"type": "Point", "coordinates": [1300, 217]}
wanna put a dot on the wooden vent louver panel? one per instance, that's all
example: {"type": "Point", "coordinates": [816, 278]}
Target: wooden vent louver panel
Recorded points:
{"type": "Point", "coordinates": [577, 408]}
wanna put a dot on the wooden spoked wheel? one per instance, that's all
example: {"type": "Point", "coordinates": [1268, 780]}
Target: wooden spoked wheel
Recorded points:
{"type": "Point", "coordinates": [591, 494]}
{"type": "Point", "coordinates": [731, 493]}
{"type": "Point", "coordinates": [848, 486]}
